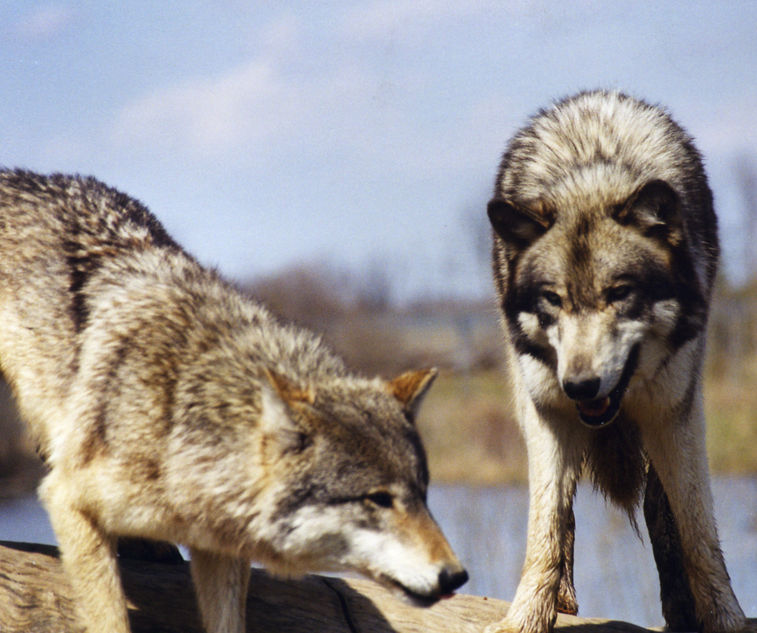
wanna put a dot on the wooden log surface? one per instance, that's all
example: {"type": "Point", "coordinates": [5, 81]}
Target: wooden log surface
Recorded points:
{"type": "Point", "coordinates": [35, 596]}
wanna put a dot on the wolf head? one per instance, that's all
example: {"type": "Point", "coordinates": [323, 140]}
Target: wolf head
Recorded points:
{"type": "Point", "coordinates": [605, 249]}
{"type": "Point", "coordinates": [351, 485]}
{"type": "Point", "coordinates": [599, 294]}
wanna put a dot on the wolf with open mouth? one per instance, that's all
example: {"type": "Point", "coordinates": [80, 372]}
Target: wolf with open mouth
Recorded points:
{"type": "Point", "coordinates": [605, 252]}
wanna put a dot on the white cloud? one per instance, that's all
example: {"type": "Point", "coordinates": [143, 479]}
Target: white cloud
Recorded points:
{"type": "Point", "coordinates": [45, 21]}
{"type": "Point", "coordinates": [387, 17]}
{"type": "Point", "coordinates": [254, 102]}
{"type": "Point", "coordinates": [262, 107]}
{"type": "Point", "coordinates": [275, 99]}
{"type": "Point", "coordinates": [245, 104]}
{"type": "Point", "coordinates": [281, 37]}
{"type": "Point", "coordinates": [727, 126]}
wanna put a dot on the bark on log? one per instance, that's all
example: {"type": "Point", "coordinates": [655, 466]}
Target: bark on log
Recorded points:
{"type": "Point", "coordinates": [35, 596]}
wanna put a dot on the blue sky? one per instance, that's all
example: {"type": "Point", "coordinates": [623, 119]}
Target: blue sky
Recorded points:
{"type": "Point", "coordinates": [359, 134]}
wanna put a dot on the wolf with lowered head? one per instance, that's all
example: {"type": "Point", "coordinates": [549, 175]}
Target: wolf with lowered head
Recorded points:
{"type": "Point", "coordinates": [169, 406]}
{"type": "Point", "coordinates": [605, 252]}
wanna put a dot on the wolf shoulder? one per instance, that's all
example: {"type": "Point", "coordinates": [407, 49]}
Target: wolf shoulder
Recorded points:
{"type": "Point", "coordinates": [74, 208]}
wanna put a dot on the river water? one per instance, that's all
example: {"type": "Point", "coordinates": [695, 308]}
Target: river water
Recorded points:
{"type": "Point", "coordinates": [614, 570]}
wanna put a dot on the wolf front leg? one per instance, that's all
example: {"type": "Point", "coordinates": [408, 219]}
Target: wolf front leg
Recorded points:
{"type": "Point", "coordinates": [89, 559]}
{"type": "Point", "coordinates": [553, 468]}
{"type": "Point", "coordinates": [675, 594]}
{"type": "Point", "coordinates": [677, 451]}
{"type": "Point", "coordinates": [566, 595]}
{"type": "Point", "coordinates": [221, 586]}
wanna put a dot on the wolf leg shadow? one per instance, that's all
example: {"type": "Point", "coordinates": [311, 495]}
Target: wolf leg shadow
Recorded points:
{"type": "Point", "coordinates": [149, 550]}
{"type": "Point", "coordinates": [675, 593]}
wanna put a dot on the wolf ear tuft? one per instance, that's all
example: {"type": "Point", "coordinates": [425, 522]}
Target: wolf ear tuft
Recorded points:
{"type": "Point", "coordinates": [654, 209]}
{"type": "Point", "coordinates": [289, 391]}
{"type": "Point", "coordinates": [411, 387]}
{"type": "Point", "coordinates": [517, 227]}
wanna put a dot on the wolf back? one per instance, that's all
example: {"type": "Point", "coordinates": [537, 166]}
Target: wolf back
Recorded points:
{"type": "Point", "coordinates": [170, 406]}
{"type": "Point", "coordinates": [605, 252]}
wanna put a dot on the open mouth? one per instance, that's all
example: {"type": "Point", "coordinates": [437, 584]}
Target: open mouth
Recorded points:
{"type": "Point", "coordinates": [602, 411]}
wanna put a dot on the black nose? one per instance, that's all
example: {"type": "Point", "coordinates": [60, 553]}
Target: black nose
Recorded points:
{"type": "Point", "coordinates": [581, 388]}
{"type": "Point", "coordinates": [451, 578]}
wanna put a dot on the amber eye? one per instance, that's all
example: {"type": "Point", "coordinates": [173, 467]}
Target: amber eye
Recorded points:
{"type": "Point", "coordinates": [381, 499]}
{"type": "Point", "coordinates": [619, 293]}
{"type": "Point", "coordinates": [552, 298]}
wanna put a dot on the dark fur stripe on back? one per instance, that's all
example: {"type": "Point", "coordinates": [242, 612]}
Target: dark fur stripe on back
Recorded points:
{"type": "Point", "coordinates": [88, 242]}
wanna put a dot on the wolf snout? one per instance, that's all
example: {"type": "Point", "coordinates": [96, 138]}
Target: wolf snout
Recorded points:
{"type": "Point", "coordinates": [581, 388]}
{"type": "Point", "coordinates": [452, 577]}
{"type": "Point", "coordinates": [594, 411]}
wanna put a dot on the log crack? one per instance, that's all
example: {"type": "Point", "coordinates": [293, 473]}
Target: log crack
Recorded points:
{"type": "Point", "coordinates": [344, 606]}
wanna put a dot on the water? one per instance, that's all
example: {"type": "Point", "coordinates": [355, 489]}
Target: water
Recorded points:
{"type": "Point", "coordinates": [614, 570]}
{"type": "Point", "coordinates": [615, 574]}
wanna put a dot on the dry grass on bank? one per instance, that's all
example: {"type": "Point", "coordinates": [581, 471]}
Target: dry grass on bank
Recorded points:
{"type": "Point", "coordinates": [469, 431]}
{"type": "Point", "coordinates": [731, 406]}
{"type": "Point", "coordinates": [471, 435]}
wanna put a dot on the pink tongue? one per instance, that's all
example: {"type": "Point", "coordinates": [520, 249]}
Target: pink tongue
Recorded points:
{"type": "Point", "coordinates": [594, 407]}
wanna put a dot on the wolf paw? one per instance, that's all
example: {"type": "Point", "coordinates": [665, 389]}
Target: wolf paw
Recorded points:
{"type": "Point", "coordinates": [751, 626]}
{"type": "Point", "coordinates": [503, 626]}
{"type": "Point", "coordinates": [726, 617]}
{"type": "Point", "coordinates": [566, 603]}
{"type": "Point", "coordinates": [730, 622]}
{"type": "Point", "coordinates": [531, 623]}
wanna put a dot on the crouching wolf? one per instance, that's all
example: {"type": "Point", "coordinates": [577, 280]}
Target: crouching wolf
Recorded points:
{"type": "Point", "coordinates": [171, 407]}
{"type": "Point", "coordinates": [605, 251]}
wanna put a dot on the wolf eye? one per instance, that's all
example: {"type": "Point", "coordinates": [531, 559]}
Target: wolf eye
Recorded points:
{"type": "Point", "coordinates": [618, 293]}
{"type": "Point", "coordinates": [552, 298]}
{"type": "Point", "coordinates": [380, 499]}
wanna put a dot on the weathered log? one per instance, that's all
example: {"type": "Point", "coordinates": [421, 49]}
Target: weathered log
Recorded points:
{"type": "Point", "coordinates": [35, 596]}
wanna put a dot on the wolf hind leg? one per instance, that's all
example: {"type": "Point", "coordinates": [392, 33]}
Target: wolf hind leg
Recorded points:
{"type": "Point", "coordinates": [678, 606]}
{"type": "Point", "coordinates": [89, 559]}
{"type": "Point", "coordinates": [221, 586]}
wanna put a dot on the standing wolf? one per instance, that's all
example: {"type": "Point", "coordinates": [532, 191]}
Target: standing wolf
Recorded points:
{"type": "Point", "coordinates": [169, 406]}
{"type": "Point", "coordinates": [605, 251]}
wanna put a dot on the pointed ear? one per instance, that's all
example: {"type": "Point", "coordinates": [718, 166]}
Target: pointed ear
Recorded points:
{"type": "Point", "coordinates": [276, 423]}
{"type": "Point", "coordinates": [516, 226]}
{"type": "Point", "coordinates": [654, 209]}
{"type": "Point", "coordinates": [288, 391]}
{"type": "Point", "coordinates": [411, 387]}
